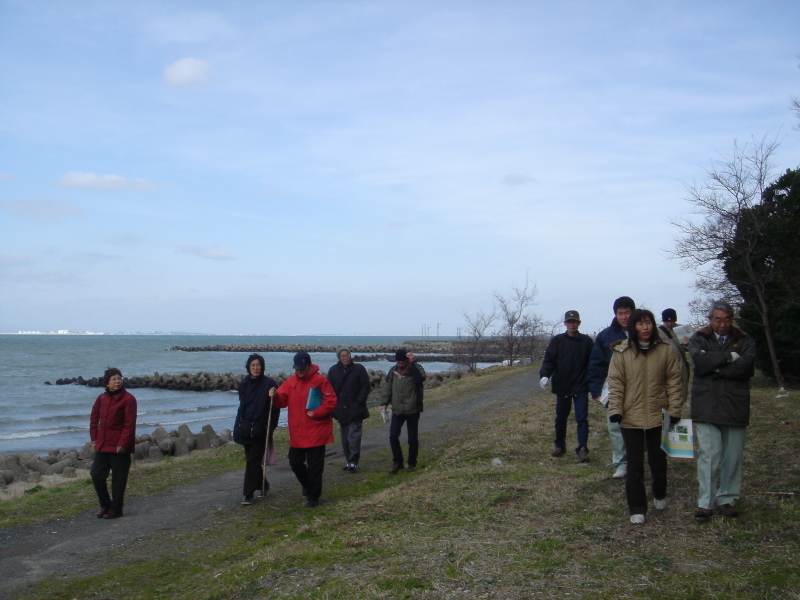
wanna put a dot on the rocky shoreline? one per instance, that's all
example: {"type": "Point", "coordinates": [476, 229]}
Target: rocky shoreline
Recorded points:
{"type": "Point", "coordinates": [31, 468]}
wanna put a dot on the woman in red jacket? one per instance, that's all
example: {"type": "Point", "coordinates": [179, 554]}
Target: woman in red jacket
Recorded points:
{"type": "Point", "coordinates": [112, 428]}
{"type": "Point", "coordinates": [309, 430]}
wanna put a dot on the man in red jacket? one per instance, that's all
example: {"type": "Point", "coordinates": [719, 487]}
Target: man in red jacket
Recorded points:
{"type": "Point", "coordinates": [309, 429]}
{"type": "Point", "coordinates": [112, 429]}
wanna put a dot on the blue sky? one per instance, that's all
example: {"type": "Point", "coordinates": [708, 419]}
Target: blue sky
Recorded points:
{"type": "Point", "coordinates": [365, 167]}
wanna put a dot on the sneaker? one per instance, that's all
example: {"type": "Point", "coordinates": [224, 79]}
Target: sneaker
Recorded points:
{"type": "Point", "coordinates": [246, 500]}
{"type": "Point", "coordinates": [583, 455]}
{"type": "Point", "coordinates": [346, 467]}
{"type": "Point", "coordinates": [703, 513]}
{"type": "Point", "coordinates": [637, 519]}
{"type": "Point", "coordinates": [558, 452]}
{"type": "Point", "coordinates": [727, 510]}
{"type": "Point", "coordinates": [312, 503]}
{"type": "Point", "coordinates": [353, 468]}
{"type": "Point", "coordinates": [660, 504]}
{"type": "Point", "coordinates": [621, 472]}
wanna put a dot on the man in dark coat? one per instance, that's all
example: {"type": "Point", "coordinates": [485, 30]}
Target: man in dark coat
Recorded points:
{"type": "Point", "coordinates": [723, 357]}
{"type": "Point", "coordinates": [566, 367]}
{"type": "Point", "coordinates": [350, 381]}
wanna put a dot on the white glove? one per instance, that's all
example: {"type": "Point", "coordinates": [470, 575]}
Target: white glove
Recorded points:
{"type": "Point", "coordinates": [734, 356]}
{"type": "Point", "coordinates": [543, 382]}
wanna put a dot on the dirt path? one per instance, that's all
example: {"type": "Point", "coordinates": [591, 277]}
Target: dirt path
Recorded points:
{"type": "Point", "coordinates": [73, 546]}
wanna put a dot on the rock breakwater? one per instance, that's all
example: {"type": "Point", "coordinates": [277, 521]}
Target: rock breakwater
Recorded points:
{"type": "Point", "coordinates": [203, 381]}
{"type": "Point", "coordinates": [30, 468]}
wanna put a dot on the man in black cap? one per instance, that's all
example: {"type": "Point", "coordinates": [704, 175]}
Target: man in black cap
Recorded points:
{"type": "Point", "coordinates": [669, 318]}
{"type": "Point", "coordinates": [566, 361]}
{"type": "Point", "coordinates": [403, 389]}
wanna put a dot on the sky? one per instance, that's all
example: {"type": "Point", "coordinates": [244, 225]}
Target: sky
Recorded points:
{"type": "Point", "coordinates": [366, 167]}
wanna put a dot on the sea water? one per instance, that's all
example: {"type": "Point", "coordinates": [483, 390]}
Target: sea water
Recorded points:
{"type": "Point", "coordinates": [36, 417]}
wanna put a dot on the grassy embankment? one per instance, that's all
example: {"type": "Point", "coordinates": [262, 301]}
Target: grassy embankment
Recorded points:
{"type": "Point", "coordinates": [461, 528]}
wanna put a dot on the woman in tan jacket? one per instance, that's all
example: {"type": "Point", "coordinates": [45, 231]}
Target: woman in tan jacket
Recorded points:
{"type": "Point", "coordinates": [644, 377]}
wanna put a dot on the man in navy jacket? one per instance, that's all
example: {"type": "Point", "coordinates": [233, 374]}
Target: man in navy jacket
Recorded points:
{"type": "Point", "coordinates": [598, 371]}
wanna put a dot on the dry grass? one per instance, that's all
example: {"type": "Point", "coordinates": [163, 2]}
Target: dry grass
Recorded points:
{"type": "Point", "coordinates": [536, 527]}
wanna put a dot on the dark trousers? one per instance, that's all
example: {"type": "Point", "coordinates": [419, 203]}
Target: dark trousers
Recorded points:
{"type": "Point", "coordinates": [253, 467]}
{"type": "Point", "coordinates": [563, 408]}
{"type": "Point", "coordinates": [351, 440]}
{"type": "Point", "coordinates": [636, 442]}
{"type": "Point", "coordinates": [119, 465]}
{"type": "Point", "coordinates": [412, 430]}
{"type": "Point", "coordinates": [308, 464]}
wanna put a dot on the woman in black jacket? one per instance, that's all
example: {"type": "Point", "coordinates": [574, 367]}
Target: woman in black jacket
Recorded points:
{"type": "Point", "coordinates": [250, 427]}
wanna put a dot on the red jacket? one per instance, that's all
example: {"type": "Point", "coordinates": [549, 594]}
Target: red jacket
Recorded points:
{"type": "Point", "coordinates": [305, 432]}
{"type": "Point", "coordinates": [113, 422]}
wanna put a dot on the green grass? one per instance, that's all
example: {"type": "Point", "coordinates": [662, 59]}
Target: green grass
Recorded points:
{"type": "Point", "coordinates": [536, 527]}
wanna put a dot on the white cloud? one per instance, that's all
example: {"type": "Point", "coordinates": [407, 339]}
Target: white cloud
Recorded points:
{"type": "Point", "coordinates": [14, 260]}
{"type": "Point", "coordinates": [188, 71]}
{"type": "Point", "coordinates": [125, 238]}
{"type": "Point", "coordinates": [75, 179]}
{"type": "Point", "coordinates": [41, 210]}
{"type": "Point", "coordinates": [91, 258]}
{"type": "Point", "coordinates": [517, 179]}
{"type": "Point", "coordinates": [207, 252]}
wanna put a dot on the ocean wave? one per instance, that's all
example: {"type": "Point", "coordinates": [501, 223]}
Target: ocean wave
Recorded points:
{"type": "Point", "coordinates": [23, 435]}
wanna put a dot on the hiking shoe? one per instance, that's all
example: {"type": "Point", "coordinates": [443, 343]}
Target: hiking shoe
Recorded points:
{"type": "Point", "coordinates": [246, 500]}
{"type": "Point", "coordinates": [583, 455]}
{"type": "Point", "coordinates": [727, 510]}
{"type": "Point", "coordinates": [660, 504]}
{"type": "Point", "coordinates": [558, 452]}
{"type": "Point", "coordinates": [637, 519]}
{"type": "Point", "coordinates": [621, 472]}
{"type": "Point", "coordinates": [703, 513]}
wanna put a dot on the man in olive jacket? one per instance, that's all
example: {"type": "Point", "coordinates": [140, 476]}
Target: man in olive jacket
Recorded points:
{"type": "Point", "coordinates": [403, 389]}
{"type": "Point", "coordinates": [723, 357]}
{"type": "Point", "coordinates": [350, 381]}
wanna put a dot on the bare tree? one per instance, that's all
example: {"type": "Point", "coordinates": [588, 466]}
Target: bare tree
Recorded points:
{"type": "Point", "coordinates": [734, 184]}
{"type": "Point", "coordinates": [472, 345]}
{"type": "Point", "coordinates": [517, 326]}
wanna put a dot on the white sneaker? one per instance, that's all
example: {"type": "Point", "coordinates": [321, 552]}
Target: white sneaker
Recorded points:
{"type": "Point", "coordinates": [621, 472]}
{"type": "Point", "coordinates": [660, 504]}
{"type": "Point", "coordinates": [637, 519]}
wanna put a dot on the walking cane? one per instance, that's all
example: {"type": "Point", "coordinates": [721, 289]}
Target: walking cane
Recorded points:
{"type": "Point", "coordinates": [264, 459]}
